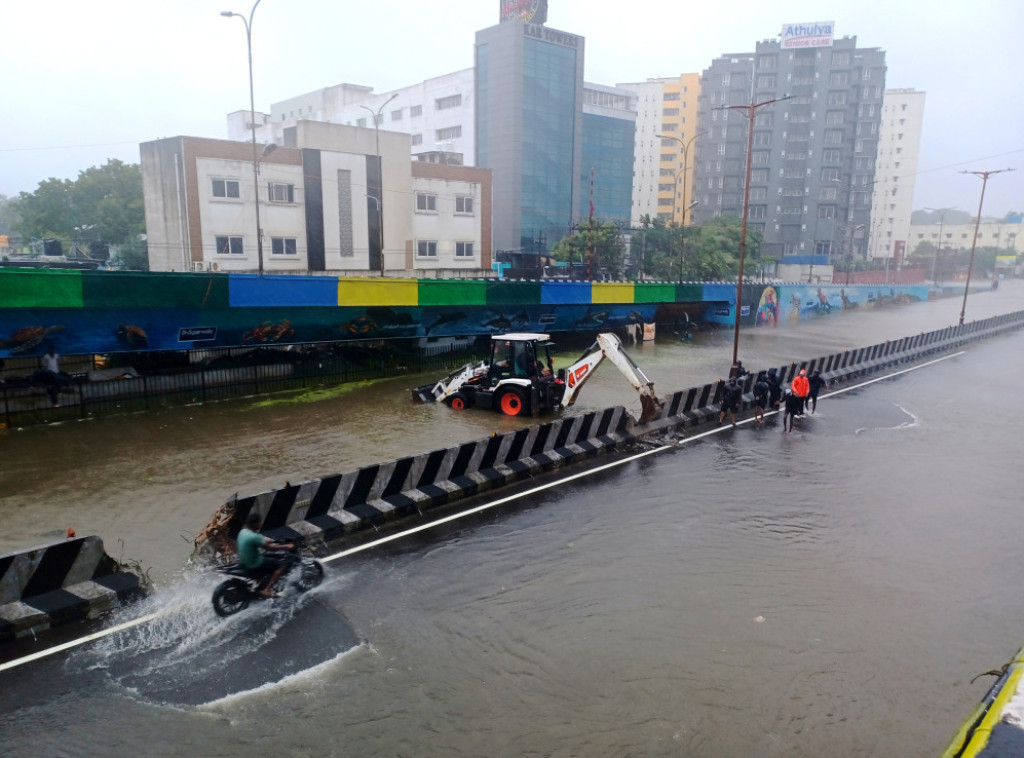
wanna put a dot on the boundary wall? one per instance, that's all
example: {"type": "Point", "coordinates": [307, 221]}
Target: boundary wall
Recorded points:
{"type": "Point", "coordinates": [329, 509]}
{"type": "Point", "coordinates": [63, 582]}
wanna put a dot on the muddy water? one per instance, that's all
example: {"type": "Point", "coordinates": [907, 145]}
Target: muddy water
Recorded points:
{"type": "Point", "coordinates": [148, 482]}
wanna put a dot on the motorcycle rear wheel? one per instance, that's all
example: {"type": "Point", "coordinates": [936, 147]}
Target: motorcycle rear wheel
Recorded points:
{"type": "Point", "coordinates": [311, 573]}
{"type": "Point", "coordinates": [230, 597]}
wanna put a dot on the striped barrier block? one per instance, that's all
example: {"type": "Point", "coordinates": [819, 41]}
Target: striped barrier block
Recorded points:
{"type": "Point", "coordinates": [60, 583]}
{"type": "Point", "coordinates": [329, 509]}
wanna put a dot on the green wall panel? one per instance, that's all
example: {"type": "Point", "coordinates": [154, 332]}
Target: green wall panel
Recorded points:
{"type": "Point", "coordinates": [42, 288]}
{"type": "Point", "coordinates": [658, 292]}
{"type": "Point", "coordinates": [452, 292]}
{"type": "Point", "coordinates": [130, 289]}
{"type": "Point", "coordinates": [513, 293]}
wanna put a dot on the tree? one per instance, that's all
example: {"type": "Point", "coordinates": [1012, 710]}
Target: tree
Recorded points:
{"type": "Point", "coordinates": [106, 201]}
{"type": "Point", "coordinates": [598, 243]}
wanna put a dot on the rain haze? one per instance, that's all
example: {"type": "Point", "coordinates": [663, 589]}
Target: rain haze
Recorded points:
{"type": "Point", "coordinates": [87, 82]}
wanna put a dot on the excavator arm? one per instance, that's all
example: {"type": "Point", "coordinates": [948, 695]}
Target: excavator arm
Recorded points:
{"type": "Point", "coordinates": [609, 346]}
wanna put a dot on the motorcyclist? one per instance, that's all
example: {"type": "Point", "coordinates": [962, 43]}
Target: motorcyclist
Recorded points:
{"type": "Point", "coordinates": [252, 547]}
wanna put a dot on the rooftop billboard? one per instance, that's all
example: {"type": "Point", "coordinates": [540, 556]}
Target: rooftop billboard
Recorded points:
{"type": "Point", "coordinates": [529, 11]}
{"type": "Point", "coordinates": [813, 34]}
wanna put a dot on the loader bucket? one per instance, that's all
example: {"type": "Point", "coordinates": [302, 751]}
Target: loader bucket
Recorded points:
{"type": "Point", "coordinates": [424, 394]}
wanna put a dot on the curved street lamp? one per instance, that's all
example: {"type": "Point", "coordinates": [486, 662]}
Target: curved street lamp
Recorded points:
{"type": "Point", "coordinates": [379, 196]}
{"type": "Point", "coordinates": [252, 125]}
{"type": "Point", "coordinates": [685, 146]}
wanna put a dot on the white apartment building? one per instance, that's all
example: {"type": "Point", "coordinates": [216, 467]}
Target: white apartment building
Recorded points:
{"type": "Point", "coordinates": [438, 114]}
{"type": "Point", "coordinates": [321, 201]}
{"type": "Point", "coordinates": [892, 199]}
{"type": "Point", "coordinates": [662, 180]}
{"type": "Point", "coordinates": [1003, 236]}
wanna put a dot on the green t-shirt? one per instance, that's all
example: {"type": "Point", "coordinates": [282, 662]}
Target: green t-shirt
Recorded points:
{"type": "Point", "coordinates": [250, 548]}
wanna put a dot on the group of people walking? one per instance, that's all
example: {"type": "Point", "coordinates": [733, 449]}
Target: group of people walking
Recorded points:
{"type": "Point", "coordinates": [799, 398]}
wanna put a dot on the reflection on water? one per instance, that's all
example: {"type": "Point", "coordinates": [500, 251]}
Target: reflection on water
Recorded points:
{"type": "Point", "coordinates": [824, 593]}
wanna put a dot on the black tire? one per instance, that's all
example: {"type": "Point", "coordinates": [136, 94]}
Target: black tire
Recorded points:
{"type": "Point", "coordinates": [230, 597]}
{"type": "Point", "coordinates": [513, 402]}
{"type": "Point", "coordinates": [311, 573]}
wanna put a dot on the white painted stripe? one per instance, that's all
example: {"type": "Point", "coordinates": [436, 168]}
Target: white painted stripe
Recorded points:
{"type": "Point", "coordinates": [447, 519]}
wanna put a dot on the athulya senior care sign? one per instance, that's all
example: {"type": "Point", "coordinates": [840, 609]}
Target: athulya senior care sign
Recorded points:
{"type": "Point", "coordinates": [814, 34]}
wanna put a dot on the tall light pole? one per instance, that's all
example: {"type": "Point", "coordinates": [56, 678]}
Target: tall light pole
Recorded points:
{"type": "Point", "coordinates": [379, 196]}
{"type": "Point", "coordinates": [750, 111]}
{"type": "Point", "coordinates": [252, 125]}
{"type": "Point", "coordinates": [942, 217]}
{"type": "Point", "coordinates": [685, 146]}
{"type": "Point", "coordinates": [977, 222]}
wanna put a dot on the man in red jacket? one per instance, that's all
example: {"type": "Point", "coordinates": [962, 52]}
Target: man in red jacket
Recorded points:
{"type": "Point", "coordinates": [801, 388]}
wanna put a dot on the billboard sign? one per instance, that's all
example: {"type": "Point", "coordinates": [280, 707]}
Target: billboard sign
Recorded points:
{"type": "Point", "coordinates": [814, 34]}
{"type": "Point", "coordinates": [526, 11]}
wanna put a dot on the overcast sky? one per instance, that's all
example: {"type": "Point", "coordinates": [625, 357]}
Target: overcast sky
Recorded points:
{"type": "Point", "coordinates": [83, 82]}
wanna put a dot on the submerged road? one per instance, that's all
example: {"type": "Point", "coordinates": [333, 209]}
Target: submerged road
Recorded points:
{"type": "Point", "coordinates": [828, 592]}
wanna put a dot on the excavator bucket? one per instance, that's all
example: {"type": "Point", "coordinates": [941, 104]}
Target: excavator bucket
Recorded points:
{"type": "Point", "coordinates": [649, 408]}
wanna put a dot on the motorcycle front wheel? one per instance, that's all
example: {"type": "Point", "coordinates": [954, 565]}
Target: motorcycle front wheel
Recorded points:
{"type": "Point", "coordinates": [311, 573]}
{"type": "Point", "coordinates": [230, 597]}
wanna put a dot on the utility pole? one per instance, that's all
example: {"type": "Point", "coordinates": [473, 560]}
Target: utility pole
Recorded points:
{"type": "Point", "coordinates": [977, 222]}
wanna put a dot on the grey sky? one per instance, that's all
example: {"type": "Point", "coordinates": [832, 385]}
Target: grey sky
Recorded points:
{"type": "Point", "coordinates": [88, 81]}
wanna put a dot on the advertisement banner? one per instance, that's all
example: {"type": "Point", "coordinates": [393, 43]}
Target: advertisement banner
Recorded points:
{"type": "Point", "coordinates": [526, 11]}
{"type": "Point", "coordinates": [814, 34]}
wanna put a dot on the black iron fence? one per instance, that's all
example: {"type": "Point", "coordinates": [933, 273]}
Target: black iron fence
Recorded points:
{"type": "Point", "coordinates": [141, 382]}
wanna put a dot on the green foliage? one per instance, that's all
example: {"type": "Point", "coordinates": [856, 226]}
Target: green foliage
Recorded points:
{"type": "Point", "coordinates": [104, 203]}
{"type": "Point", "coordinates": [131, 256]}
{"type": "Point", "coordinates": [8, 214]}
{"type": "Point", "coordinates": [694, 253]}
{"type": "Point", "coordinates": [601, 243]}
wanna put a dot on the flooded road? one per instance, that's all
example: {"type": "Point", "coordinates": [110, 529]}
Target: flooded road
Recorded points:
{"type": "Point", "coordinates": [825, 593]}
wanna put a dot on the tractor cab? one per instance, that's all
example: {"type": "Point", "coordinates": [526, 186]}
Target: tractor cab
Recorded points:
{"type": "Point", "coordinates": [521, 355]}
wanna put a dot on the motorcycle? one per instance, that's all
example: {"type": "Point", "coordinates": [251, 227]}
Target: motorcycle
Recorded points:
{"type": "Point", "coordinates": [235, 594]}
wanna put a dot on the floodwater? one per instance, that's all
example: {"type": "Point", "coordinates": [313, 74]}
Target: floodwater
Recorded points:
{"type": "Point", "coordinates": [825, 593]}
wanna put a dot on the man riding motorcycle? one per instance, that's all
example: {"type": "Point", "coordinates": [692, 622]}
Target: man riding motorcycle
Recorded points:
{"type": "Point", "coordinates": [252, 547]}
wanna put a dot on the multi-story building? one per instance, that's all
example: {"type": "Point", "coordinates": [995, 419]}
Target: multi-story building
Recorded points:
{"type": "Point", "coordinates": [899, 144]}
{"type": "Point", "coordinates": [321, 205]}
{"type": "Point", "coordinates": [664, 151]}
{"type": "Point", "coordinates": [609, 126]}
{"type": "Point", "coordinates": [813, 155]}
{"type": "Point", "coordinates": [1002, 235]}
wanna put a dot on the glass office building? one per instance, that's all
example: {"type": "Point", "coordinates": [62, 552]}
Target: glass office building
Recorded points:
{"type": "Point", "coordinates": [529, 128]}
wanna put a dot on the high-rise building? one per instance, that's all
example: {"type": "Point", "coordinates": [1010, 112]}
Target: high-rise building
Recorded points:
{"type": "Point", "coordinates": [664, 152]}
{"type": "Point", "coordinates": [813, 154]}
{"type": "Point", "coordinates": [899, 143]}
{"type": "Point", "coordinates": [529, 130]}
{"type": "Point", "coordinates": [609, 126]}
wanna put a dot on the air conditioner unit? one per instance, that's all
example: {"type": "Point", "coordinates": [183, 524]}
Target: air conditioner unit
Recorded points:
{"type": "Point", "coordinates": [197, 265]}
{"type": "Point", "coordinates": [214, 266]}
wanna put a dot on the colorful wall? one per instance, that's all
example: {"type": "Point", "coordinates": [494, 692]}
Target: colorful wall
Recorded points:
{"type": "Point", "coordinates": [82, 312]}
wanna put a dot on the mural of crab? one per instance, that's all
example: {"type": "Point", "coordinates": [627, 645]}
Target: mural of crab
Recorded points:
{"type": "Point", "coordinates": [28, 337]}
{"type": "Point", "coordinates": [267, 332]}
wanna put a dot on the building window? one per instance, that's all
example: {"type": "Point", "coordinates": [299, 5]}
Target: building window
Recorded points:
{"type": "Point", "coordinates": [759, 158]}
{"type": "Point", "coordinates": [229, 246]}
{"type": "Point", "coordinates": [833, 118]}
{"type": "Point", "coordinates": [670, 127]}
{"type": "Point", "coordinates": [361, 123]}
{"type": "Point", "coordinates": [670, 96]}
{"type": "Point", "coordinates": [426, 203]}
{"type": "Point", "coordinates": [839, 77]}
{"type": "Point", "coordinates": [464, 204]}
{"type": "Point", "coordinates": [426, 248]}
{"type": "Point", "coordinates": [826, 211]}
{"type": "Point", "coordinates": [451, 132]}
{"type": "Point", "coordinates": [830, 175]}
{"type": "Point", "coordinates": [417, 139]}
{"type": "Point", "coordinates": [416, 110]}
{"type": "Point", "coordinates": [762, 139]}
{"type": "Point", "coordinates": [666, 188]}
{"type": "Point", "coordinates": [758, 211]}
{"type": "Point", "coordinates": [766, 81]}
{"type": "Point", "coordinates": [833, 137]}
{"type": "Point", "coordinates": [281, 193]}
{"type": "Point", "coordinates": [396, 115]}
{"type": "Point", "coordinates": [225, 188]}
{"type": "Point", "coordinates": [831, 155]}
{"type": "Point", "coordinates": [837, 98]}
{"type": "Point", "coordinates": [463, 249]}
{"type": "Point", "coordinates": [841, 58]}
{"type": "Point", "coordinates": [758, 194]}
{"type": "Point", "coordinates": [283, 246]}
{"type": "Point", "coordinates": [670, 112]}
{"type": "Point", "coordinates": [452, 101]}
{"type": "Point", "coordinates": [823, 248]}
{"type": "Point", "coordinates": [828, 193]}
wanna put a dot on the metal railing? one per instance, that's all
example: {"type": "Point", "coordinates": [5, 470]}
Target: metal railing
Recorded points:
{"type": "Point", "coordinates": [234, 374]}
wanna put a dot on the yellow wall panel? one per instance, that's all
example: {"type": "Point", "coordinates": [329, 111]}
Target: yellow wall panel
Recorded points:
{"type": "Point", "coordinates": [377, 292]}
{"type": "Point", "coordinates": [611, 292]}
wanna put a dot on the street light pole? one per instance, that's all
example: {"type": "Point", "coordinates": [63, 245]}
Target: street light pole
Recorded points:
{"type": "Point", "coordinates": [942, 217]}
{"type": "Point", "coordinates": [685, 146]}
{"type": "Point", "coordinates": [252, 126]}
{"type": "Point", "coordinates": [977, 222]}
{"type": "Point", "coordinates": [380, 179]}
{"type": "Point", "coordinates": [750, 111]}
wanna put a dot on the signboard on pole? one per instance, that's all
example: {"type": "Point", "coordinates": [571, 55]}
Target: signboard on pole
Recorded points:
{"type": "Point", "coordinates": [814, 34]}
